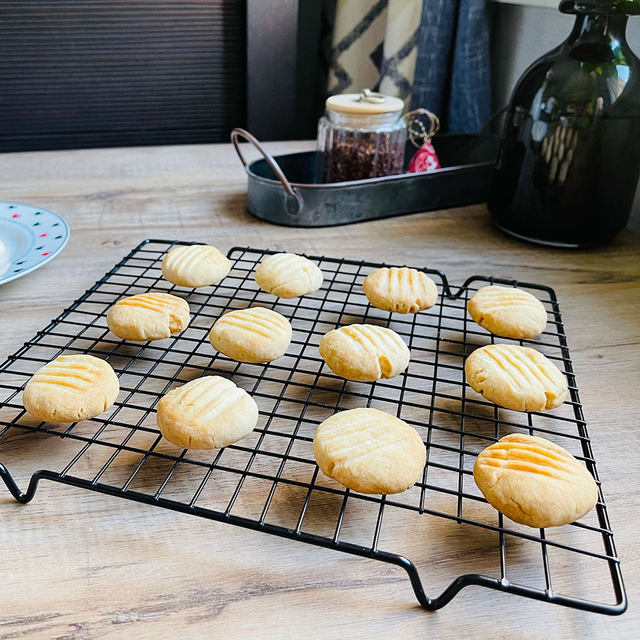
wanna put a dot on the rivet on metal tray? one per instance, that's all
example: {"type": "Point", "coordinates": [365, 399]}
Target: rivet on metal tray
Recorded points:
{"type": "Point", "coordinates": [293, 203]}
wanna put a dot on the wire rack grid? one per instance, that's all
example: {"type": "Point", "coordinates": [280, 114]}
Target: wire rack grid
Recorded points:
{"type": "Point", "coordinates": [270, 482]}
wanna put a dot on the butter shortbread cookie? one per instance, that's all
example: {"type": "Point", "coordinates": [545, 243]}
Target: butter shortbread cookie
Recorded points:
{"type": "Point", "coordinates": [148, 316]}
{"type": "Point", "coordinates": [255, 334]}
{"type": "Point", "coordinates": [515, 377]}
{"type": "Point", "coordinates": [71, 388]}
{"type": "Point", "coordinates": [369, 451]}
{"type": "Point", "coordinates": [207, 413]}
{"type": "Point", "coordinates": [508, 312]}
{"type": "Point", "coordinates": [534, 481]}
{"type": "Point", "coordinates": [288, 275]}
{"type": "Point", "coordinates": [402, 290]}
{"type": "Point", "coordinates": [196, 265]}
{"type": "Point", "coordinates": [364, 352]}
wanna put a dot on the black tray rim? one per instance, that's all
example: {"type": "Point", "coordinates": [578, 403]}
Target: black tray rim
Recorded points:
{"type": "Point", "coordinates": [357, 183]}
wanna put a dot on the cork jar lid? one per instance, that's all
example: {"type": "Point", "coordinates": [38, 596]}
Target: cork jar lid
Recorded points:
{"type": "Point", "coordinates": [365, 103]}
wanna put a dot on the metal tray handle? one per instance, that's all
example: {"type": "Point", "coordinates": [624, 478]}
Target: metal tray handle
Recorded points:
{"type": "Point", "coordinates": [293, 201]}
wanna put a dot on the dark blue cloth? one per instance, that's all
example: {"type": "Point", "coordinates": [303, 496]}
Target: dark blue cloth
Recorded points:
{"type": "Point", "coordinates": [452, 70]}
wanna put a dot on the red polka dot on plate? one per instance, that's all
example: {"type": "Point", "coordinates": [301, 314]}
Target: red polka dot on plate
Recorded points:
{"type": "Point", "coordinates": [46, 253]}
{"type": "Point", "coordinates": [43, 235]}
{"type": "Point", "coordinates": [15, 215]}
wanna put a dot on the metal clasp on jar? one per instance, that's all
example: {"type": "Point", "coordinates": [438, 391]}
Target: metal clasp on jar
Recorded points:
{"type": "Point", "coordinates": [366, 95]}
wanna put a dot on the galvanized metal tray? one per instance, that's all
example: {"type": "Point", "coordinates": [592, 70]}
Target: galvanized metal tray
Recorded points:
{"type": "Point", "coordinates": [287, 189]}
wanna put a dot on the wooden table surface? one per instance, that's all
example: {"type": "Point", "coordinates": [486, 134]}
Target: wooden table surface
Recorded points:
{"type": "Point", "coordinates": [78, 564]}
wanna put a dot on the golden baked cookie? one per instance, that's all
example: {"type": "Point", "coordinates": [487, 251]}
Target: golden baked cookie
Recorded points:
{"type": "Point", "coordinates": [402, 290]}
{"type": "Point", "coordinates": [516, 377]}
{"type": "Point", "coordinates": [364, 352]}
{"type": "Point", "coordinates": [534, 481]}
{"type": "Point", "coordinates": [148, 316]}
{"type": "Point", "coordinates": [369, 451]}
{"type": "Point", "coordinates": [508, 312]}
{"type": "Point", "coordinates": [288, 275]}
{"type": "Point", "coordinates": [196, 265]}
{"type": "Point", "coordinates": [207, 413]}
{"type": "Point", "coordinates": [251, 335]}
{"type": "Point", "coordinates": [71, 388]}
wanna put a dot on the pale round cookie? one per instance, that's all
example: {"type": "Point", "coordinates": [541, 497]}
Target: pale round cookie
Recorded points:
{"type": "Point", "coordinates": [148, 316]}
{"type": "Point", "coordinates": [516, 377]}
{"type": "Point", "coordinates": [369, 451]}
{"type": "Point", "coordinates": [196, 265]}
{"type": "Point", "coordinates": [508, 312]}
{"type": "Point", "coordinates": [71, 388]}
{"type": "Point", "coordinates": [402, 290]}
{"type": "Point", "coordinates": [288, 275]}
{"type": "Point", "coordinates": [534, 481]}
{"type": "Point", "coordinates": [251, 335]}
{"type": "Point", "coordinates": [207, 413]}
{"type": "Point", "coordinates": [364, 352]}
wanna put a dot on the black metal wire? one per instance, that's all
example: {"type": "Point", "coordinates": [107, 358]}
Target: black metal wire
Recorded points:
{"type": "Point", "coordinates": [295, 393]}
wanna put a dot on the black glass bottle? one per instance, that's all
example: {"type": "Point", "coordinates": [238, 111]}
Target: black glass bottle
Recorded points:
{"type": "Point", "coordinates": [570, 156]}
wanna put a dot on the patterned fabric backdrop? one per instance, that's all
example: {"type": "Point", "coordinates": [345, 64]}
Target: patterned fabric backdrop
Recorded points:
{"type": "Point", "coordinates": [374, 45]}
{"type": "Point", "coordinates": [430, 53]}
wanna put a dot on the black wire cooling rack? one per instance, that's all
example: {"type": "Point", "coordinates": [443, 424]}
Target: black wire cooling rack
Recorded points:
{"type": "Point", "coordinates": [269, 481]}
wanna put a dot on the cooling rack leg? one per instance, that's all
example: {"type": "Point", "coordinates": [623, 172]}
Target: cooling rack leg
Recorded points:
{"type": "Point", "coordinates": [478, 580]}
{"type": "Point", "coordinates": [467, 580]}
{"type": "Point", "coordinates": [432, 604]}
{"type": "Point", "coordinates": [20, 496]}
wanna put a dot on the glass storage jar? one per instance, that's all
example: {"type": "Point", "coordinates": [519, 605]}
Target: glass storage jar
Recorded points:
{"type": "Point", "coordinates": [362, 135]}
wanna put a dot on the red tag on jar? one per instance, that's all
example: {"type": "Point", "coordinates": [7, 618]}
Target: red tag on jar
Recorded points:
{"type": "Point", "coordinates": [424, 159]}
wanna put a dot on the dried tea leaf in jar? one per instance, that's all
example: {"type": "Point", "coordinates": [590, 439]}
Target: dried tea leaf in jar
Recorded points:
{"type": "Point", "coordinates": [362, 135]}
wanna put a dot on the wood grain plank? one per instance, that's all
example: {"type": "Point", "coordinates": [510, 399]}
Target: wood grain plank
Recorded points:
{"type": "Point", "coordinates": [83, 565]}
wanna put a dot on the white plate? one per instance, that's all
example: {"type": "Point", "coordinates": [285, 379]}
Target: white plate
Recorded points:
{"type": "Point", "coordinates": [29, 238]}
